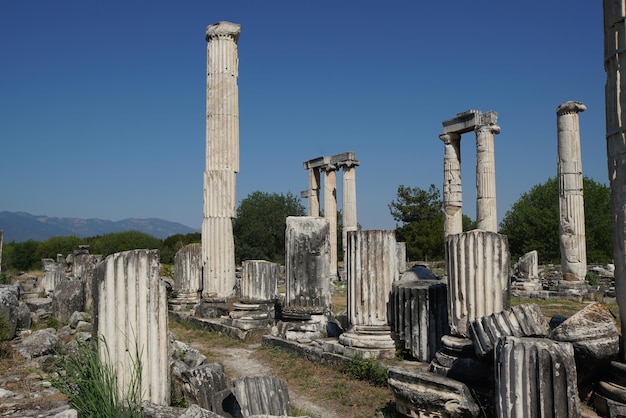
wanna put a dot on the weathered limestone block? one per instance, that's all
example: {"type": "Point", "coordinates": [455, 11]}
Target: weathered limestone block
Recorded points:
{"type": "Point", "coordinates": [83, 265]}
{"type": "Point", "coordinates": [9, 303]}
{"type": "Point", "coordinates": [401, 251]}
{"type": "Point", "coordinates": [424, 394]}
{"type": "Point", "coordinates": [525, 320]}
{"type": "Point", "coordinates": [203, 383]}
{"type": "Point", "coordinates": [259, 281]}
{"type": "Point", "coordinates": [130, 318]}
{"type": "Point", "coordinates": [535, 378]}
{"type": "Point", "coordinates": [54, 273]}
{"type": "Point", "coordinates": [307, 265]}
{"type": "Point", "coordinates": [419, 315]}
{"type": "Point", "coordinates": [187, 274]}
{"type": "Point", "coordinates": [39, 343]}
{"type": "Point", "coordinates": [23, 316]}
{"type": "Point", "coordinates": [261, 395]}
{"type": "Point", "coordinates": [151, 410]}
{"type": "Point", "coordinates": [528, 265]}
{"type": "Point", "coordinates": [68, 297]}
{"type": "Point", "coordinates": [478, 277]}
{"type": "Point", "coordinates": [594, 336]}
{"type": "Point", "coordinates": [372, 267]}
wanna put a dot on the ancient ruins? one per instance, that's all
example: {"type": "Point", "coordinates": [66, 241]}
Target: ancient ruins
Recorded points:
{"type": "Point", "coordinates": [466, 351]}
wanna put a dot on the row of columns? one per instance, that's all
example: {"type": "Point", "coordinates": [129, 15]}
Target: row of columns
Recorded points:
{"type": "Point", "coordinates": [329, 165]}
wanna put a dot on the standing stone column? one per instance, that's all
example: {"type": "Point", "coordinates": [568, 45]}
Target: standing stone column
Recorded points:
{"type": "Point", "coordinates": [330, 212]}
{"type": "Point", "coordinates": [477, 263]}
{"type": "Point", "coordinates": [372, 267]}
{"type": "Point", "coordinates": [222, 161]}
{"type": "Point", "coordinates": [452, 187]}
{"type": "Point", "coordinates": [348, 202]}
{"type": "Point", "coordinates": [314, 192]}
{"type": "Point", "coordinates": [187, 275]}
{"type": "Point", "coordinates": [571, 203]}
{"type": "Point", "coordinates": [486, 211]}
{"type": "Point", "coordinates": [130, 317]}
{"type": "Point", "coordinates": [615, 96]}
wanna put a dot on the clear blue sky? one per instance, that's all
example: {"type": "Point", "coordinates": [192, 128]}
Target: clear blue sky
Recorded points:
{"type": "Point", "coordinates": [102, 104]}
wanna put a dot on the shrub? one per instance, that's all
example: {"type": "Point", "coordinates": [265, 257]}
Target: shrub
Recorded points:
{"type": "Point", "coordinates": [366, 369]}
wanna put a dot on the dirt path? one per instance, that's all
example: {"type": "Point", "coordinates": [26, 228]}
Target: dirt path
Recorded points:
{"type": "Point", "coordinates": [238, 362]}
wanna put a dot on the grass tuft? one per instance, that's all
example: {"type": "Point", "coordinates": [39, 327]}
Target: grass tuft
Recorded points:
{"type": "Point", "coordinates": [91, 385]}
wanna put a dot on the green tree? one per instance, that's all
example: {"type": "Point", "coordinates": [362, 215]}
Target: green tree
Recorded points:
{"type": "Point", "coordinates": [122, 241]}
{"type": "Point", "coordinates": [57, 245]}
{"type": "Point", "coordinates": [21, 255]}
{"type": "Point", "coordinates": [173, 243]}
{"type": "Point", "coordinates": [259, 229]}
{"type": "Point", "coordinates": [532, 223]}
{"type": "Point", "coordinates": [419, 222]}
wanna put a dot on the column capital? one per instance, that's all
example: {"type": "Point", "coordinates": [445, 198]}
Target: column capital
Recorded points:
{"type": "Point", "coordinates": [223, 30]}
{"type": "Point", "coordinates": [492, 128]}
{"type": "Point", "coordinates": [570, 107]}
{"type": "Point", "coordinates": [450, 137]}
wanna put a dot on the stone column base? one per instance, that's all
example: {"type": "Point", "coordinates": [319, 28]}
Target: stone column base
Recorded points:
{"type": "Point", "coordinates": [369, 342]}
{"type": "Point", "coordinates": [182, 301]}
{"type": "Point", "coordinates": [457, 360]}
{"type": "Point", "coordinates": [575, 287]}
{"type": "Point", "coordinates": [249, 316]}
{"type": "Point", "coordinates": [303, 330]}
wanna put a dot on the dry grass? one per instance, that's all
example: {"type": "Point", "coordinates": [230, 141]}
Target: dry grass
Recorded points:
{"type": "Point", "coordinates": [346, 396]}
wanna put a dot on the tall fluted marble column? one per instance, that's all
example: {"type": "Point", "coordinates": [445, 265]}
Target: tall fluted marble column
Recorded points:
{"type": "Point", "coordinates": [452, 186]}
{"type": "Point", "coordinates": [486, 211]}
{"type": "Point", "coordinates": [571, 203]}
{"type": "Point", "coordinates": [222, 161]}
{"type": "Point", "coordinates": [330, 213]}
{"type": "Point", "coordinates": [348, 202]}
{"type": "Point", "coordinates": [615, 96]}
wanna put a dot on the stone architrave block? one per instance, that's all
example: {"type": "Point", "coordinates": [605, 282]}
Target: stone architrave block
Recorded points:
{"type": "Point", "coordinates": [425, 394]}
{"type": "Point", "coordinates": [307, 264]}
{"type": "Point", "coordinates": [262, 395]}
{"type": "Point", "coordinates": [9, 302]}
{"type": "Point", "coordinates": [419, 316]}
{"type": "Point", "coordinates": [535, 377]}
{"type": "Point", "coordinates": [130, 320]}
{"type": "Point", "coordinates": [525, 320]}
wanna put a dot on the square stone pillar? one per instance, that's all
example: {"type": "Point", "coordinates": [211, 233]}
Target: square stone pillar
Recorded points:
{"type": "Point", "coordinates": [330, 213]}
{"type": "Point", "coordinates": [314, 192]}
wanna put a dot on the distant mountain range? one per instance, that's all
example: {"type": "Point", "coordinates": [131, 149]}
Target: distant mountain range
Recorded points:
{"type": "Point", "coordinates": [22, 226]}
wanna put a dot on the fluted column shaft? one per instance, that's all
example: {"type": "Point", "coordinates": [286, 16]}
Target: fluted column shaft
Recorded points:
{"type": "Point", "coordinates": [486, 213]}
{"type": "Point", "coordinates": [571, 203]}
{"type": "Point", "coordinates": [222, 160]}
{"type": "Point", "coordinates": [452, 185]}
{"type": "Point", "coordinates": [615, 99]}
{"type": "Point", "coordinates": [330, 213]}
{"type": "Point", "coordinates": [314, 192]}
{"type": "Point", "coordinates": [349, 204]}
